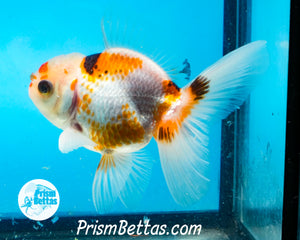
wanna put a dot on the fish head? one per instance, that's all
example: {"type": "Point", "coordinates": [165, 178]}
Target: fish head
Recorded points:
{"type": "Point", "coordinates": [52, 87]}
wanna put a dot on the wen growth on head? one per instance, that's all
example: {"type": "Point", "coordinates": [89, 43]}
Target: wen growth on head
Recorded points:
{"type": "Point", "coordinates": [114, 102]}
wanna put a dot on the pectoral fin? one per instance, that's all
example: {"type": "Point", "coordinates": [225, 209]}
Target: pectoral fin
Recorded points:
{"type": "Point", "coordinates": [71, 139]}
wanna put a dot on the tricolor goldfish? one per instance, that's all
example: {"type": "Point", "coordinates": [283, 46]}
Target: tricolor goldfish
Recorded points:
{"type": "Point", "coordinates": [116, 101]}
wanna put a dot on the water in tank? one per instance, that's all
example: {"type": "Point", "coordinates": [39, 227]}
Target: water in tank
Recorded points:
{"type": "Point", "coordinates": [185, 136]}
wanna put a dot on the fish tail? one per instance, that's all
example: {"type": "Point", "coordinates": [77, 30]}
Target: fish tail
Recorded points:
{"type": "Point", "coordinates": [182, 133]}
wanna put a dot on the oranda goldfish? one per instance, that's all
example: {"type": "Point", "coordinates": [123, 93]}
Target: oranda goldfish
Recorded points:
{"type": "Point", "coordinates": [114, 102]}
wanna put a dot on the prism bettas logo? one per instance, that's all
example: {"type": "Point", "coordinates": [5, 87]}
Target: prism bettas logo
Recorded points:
{"type": "Point", "coordinates": [38, 199]}
{"type": "Point", "coordinates": [44, 196]}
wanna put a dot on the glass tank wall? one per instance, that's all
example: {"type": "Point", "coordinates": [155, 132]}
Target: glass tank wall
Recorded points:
{"type": "Point", "coordinates": [262, 168]}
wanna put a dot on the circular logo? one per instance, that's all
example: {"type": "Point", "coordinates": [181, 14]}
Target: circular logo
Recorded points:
{"type": "Point", "coordinates": [38, 199]}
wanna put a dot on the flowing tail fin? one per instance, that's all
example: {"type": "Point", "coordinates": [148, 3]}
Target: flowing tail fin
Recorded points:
{"type": "Point", "coordinates": [182, 134]}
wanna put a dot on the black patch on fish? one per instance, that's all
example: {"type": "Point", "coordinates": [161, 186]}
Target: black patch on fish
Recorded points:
{"type": "Point", "coordinates": [173, 85]}
{"type": "Point", "coordinates": [72, 108]}
{"type": "Point", "coordinates": [90, 62]}
{"type": "Point", "coordinates": [77, 126]}
{"type": "Point", "coordinates": [199, 87]}
{"type": "Point", "coordinates": [145, 106]}
{"type": "Point", "coordinates": [145, 99]}
{"type": "Point", "coordinates": [72, 112]}
{"type": "Point", "coordinates": [165, 134]}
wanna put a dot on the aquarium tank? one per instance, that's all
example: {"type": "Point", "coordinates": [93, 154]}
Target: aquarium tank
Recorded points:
{"type": "Point", "coordinates": [250, 193]}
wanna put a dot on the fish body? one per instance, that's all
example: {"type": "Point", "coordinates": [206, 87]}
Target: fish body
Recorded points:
{"type": "Point", "coordinates": [129, 89]}
{"type": "Point", "coordinates": [114, 102]}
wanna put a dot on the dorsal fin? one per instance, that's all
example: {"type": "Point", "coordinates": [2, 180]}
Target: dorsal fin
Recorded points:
{"type": "Point", "coordinates": [104, 34]}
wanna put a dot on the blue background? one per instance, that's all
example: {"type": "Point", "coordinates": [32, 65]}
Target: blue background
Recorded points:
{"type": "Point", "coordinates": [34, 31]}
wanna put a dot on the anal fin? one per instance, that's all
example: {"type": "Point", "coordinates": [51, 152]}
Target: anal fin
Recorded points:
{"type": "Point", "coordinates": [120, 175]}
{"type": "Point", "coordinates": [138, 179]}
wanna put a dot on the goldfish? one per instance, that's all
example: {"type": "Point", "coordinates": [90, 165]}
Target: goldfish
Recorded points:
{"type": "Point", "coordinates": [116, 101]}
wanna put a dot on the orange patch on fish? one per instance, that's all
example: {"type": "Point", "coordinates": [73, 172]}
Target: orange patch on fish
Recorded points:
{"type": "Point", "coordinates": [85, 97]}
{"type": "Point", "coordinates": [171, 91]}
{"type": "Point", "coordinates": [44, 68]}
{"type": "Point", "coordinates": [79, 102]}
{"type": "Point", "coordinates": [167, 129]}
{"type": "Point", "coordinates": [123, 130]}
{"type": "Point", "coordinates": [170, 88]}
{"type": "Point", "coordinates": [73, 84]}
{"type": "Point", "coordinates": [44, 77]}
{"type": "Point", "coordinates": [32, 77]}
{"type": "Point", "coordinates": [83, 107]}
{"type": "Point", "coordinates": [106, 65]}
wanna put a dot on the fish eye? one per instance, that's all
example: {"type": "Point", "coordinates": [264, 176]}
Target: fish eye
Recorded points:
{"type": "Point", "coordinates": [45, 87]}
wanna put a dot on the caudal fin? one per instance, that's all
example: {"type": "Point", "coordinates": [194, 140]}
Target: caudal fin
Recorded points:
{"type": "Point", "coordinates": [231, 80]}
{"type": "Point", "coordinates": [182, 134]}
